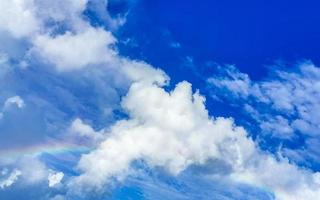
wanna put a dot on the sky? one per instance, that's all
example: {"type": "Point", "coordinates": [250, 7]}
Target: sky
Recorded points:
{"type": "Point", "coordinates": [156, 100]}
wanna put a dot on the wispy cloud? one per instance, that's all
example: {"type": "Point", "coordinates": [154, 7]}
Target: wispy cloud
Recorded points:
{"type": "Point", "coordinates": [284, 105]}
{"type": "Point", "coordinates": [13, 177]}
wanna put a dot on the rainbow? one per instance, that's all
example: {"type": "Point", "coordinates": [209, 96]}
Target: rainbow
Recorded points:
{"type": "Point", "coordinates": [37, 150]}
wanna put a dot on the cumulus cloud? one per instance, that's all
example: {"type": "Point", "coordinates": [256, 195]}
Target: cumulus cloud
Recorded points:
{"type": "Point", "coordinates": [56, 32]}
{"type": "Point", "coordinates": [27, 18]}
{"type": "Point", "coordinates": [55, 178]}
{"type": "Point", "coordinates": [75, 51]}
{"type": "Point", "coordinates": [285, 180]}
{"type": "Point", "coordinates": [11, 179]}
{"type": "Point", "coordinates": [173, 130]}
{"type": "Point", "coordinates": [18, 18]}
{"type": "Point", "coordinates": [84, 132]}
{"type": "Point", "coordinates": [168, 129]}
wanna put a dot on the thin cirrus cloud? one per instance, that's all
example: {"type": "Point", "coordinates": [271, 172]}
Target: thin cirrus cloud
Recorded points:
{"type": "Point", "coordinates": [170, 129]}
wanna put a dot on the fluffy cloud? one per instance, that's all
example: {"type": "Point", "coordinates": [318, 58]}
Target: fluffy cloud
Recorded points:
{"type": "Point", "coordinates": [32, 170]}
{"type": "Point", "coordinates": [55, 178]}
{"type": "Point", "coordinates": [18, 17]}
{"type": "Point", "coordinates": [79, 131]}
{"type": "Point", "coordinates": [27, 18]}
{"type": "Point", "coordinates": [168, 129]}
{"type": "Point", "coordinates": [12, 178]}
{"type": "Point", "coordinates": [57, 33]}
{"type": "Point", "coordinates": [75, 51]}
{"type": "Point", "coordinates": [285, 180]}
{"type": "Point", "coordinates": [173, 130]}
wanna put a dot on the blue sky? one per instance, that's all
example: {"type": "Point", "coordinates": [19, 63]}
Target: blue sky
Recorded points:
{"type": "Point", "coordinates": [133, 99]}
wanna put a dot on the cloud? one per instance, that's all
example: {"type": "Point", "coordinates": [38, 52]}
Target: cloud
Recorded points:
{"type": "Point", "coordinates": [11, 179]}
{"type": "Point", "coordinates": [18, 18]}
{"type": "Point", "coordinates": [84, 133]}
{"type": "Point", "coordinates": [27, 18]}
{"type": "Point", "coordinates": [12, 101]}
{"type": "Point", "coordinates": [285, 180]}
{"type": "Point", "coordinates": [57, 32]}
{"type": "Point", "coordinates": [232, 80]}
{"type": "Point", "coordinates": [177, 121]}
{"type": "Point", "coordinates": [75, 51]}
{"type": "Point", "coordinates": [15, 100]}
{"type": "Point", "coordinates": [55, 178]}
{"type": "Point", "coordinates": [173, 130]}
{"type": "Point", "coordinates": [292, 96]}
{"type": "Point", "coordinates": [67, 11]}
{"type": "Point", "coordinates": [99, 9]}
{"type": "Point", "coordinates": [167, 129]}
{"type": "Point", "coordinates": [284, 106]}
{"type": "Point", "coordinates": [33, 171]}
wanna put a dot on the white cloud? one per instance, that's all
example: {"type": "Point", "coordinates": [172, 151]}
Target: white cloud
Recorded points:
{"type": "Point", "coordinates": [32, 169]}
{"type": "Point", "coordinates": [287, 181]}
{"type": "Point", "coordinates": [39, 23]}
{"type": "Point", "coordinates": [167, 129]}
{"type": "Point", "coordinates": [101, 11]}
{"type": "Point", "coordinates": [12, 178]}
{"type": "Point", "coordinates": [27, 18]}
{"type": "Point", "coordinates": [139, 71]}
{"type": "Point", "coordinates": [292, 96]}
{"type": "Point", "coordinates": [277, 126]}
{"type": "Point", "coordinates": [18, 17]}
{"type": "Point", "coordinates": [80, 130]}
{"type": "Point", "coordinates": [72, 51]}
{"type": "Point", "coordinates": [173, 130]}
{"type": "Point", "coordinates": [233, 80]}
{"type": "Point", "coordinates": [60, 10]}
{"type": "Point", "coordinates": [55, 178]}
{"type": "Point", "coordinates": [14, 101]}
